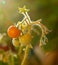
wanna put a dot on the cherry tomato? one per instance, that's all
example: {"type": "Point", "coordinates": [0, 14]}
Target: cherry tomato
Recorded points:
{"type": "Point", "coordinates": [13, 32]}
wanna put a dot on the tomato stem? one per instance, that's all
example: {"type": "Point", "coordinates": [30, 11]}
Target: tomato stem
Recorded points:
{"type": "Point", "coordinates": [25, 56]}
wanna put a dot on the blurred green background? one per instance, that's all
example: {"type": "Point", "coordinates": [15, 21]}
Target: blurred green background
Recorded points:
{"type": "Point", "coordinates": [47, 10]}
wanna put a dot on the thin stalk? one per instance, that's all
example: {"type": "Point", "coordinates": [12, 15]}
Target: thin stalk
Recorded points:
{"type": "Point", "coordinates": [27, 17]}
{"type": "Point", "coordinates": [21, 22]}
{"type": "Point", "coordinates": [20, 51]}
{"type": "Point", "coordinates": [25, 56]}
{"type": "Point", "coordinates": [19, 54]}
{"type": "Point", "coordinates": [11, 61]}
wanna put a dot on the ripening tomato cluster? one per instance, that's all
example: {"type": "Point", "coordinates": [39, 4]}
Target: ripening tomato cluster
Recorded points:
{"type": "Point", "coordinates": [13, 31]}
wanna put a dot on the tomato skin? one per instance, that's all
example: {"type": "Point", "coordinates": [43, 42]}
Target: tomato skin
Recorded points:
{"type": "Point", "coordinates": [13, 32]}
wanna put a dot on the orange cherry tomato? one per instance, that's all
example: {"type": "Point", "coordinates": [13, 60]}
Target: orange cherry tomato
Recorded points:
{"type": "Point", "coordinates": [13, 32]}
